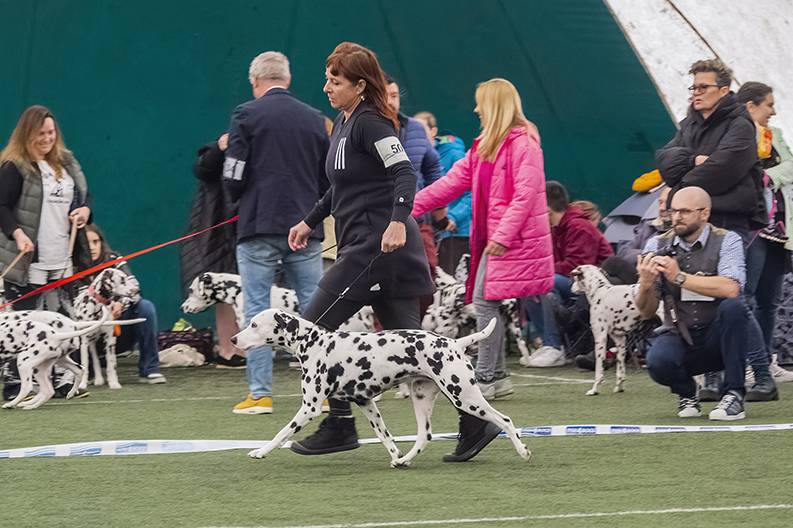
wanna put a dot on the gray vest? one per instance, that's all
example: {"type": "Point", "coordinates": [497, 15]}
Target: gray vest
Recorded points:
{"type": "Point", "coordinates": [700, 261]}
{"type": "Point", "coordinates": [28, 214]}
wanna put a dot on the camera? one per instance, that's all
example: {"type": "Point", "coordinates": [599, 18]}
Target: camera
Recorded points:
{"type": "Point", "coordinates": [668, 251]}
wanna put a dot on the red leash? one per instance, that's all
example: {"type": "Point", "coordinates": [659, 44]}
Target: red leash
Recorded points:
{"type": "Point", "coordinates": [100, 267]}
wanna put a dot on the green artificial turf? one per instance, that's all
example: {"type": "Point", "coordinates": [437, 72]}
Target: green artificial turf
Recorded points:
{"type": "Point", "coordinates": [566, 475]}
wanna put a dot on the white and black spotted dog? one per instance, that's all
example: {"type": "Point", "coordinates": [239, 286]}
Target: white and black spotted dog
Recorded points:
{"type": "Point", "coordinates": [612, 313]}
{"type": "Point", "coordinates": [110, 284]}
{"type": "Point", "coordinates": [210, 288]}
{"type": "Point", "coordinates": [357, 366]}
{"type": "Point", "coordinates": [36, 347]}
{"type": "Point", "coordinates": [449, 316]}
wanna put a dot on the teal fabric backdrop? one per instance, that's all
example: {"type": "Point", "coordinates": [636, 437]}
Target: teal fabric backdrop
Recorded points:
{"type": "Point", "coordinates": [139, 86]}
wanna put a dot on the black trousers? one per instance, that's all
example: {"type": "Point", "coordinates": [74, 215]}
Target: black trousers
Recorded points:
{"type": "Point", "coordinates": [393, 314]}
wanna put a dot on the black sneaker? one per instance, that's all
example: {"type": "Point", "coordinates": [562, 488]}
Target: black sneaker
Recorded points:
{"type": "Point", "coordinates": [711, 392]}
{"type": "Point", "coordinates": [587, 361]}
{"type": "Point", "coordinates": [688, 407]}
{"type": "Point", "coordinates": [334, 435]}
{"type": "Point", "coordinates": [730, 408]}
{"type": "Point", "coordinates": [474, 435]}
{"type": "Point", "coordinates": [764, 388]}
{"type": "Point", "coordinates": [234, 362]}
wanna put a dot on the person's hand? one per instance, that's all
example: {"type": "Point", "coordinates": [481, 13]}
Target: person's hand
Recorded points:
{"type": "Point", "coordinates": [647, 270]}
{"type": "Point", "coordinates": [495, 249]}
{"type": "Point", "coordinates": [24, 244]}
{"type": "Point", "coordinates": [668, 266]}
{"type": "Point", "coordinates": [394, 237]}
{"type": "Point", "coordinates": [115, 309]}
{"type": "Point", "coordinates": [699, 160]}
{"type": "Point", "coordinates": [298, 236]}
{"type": "Point", "coordinates": [451, 226]}
{"type": "Point", "coordinates": [223, 142]}
{"type": "Point", "coordinates": [80, 216]}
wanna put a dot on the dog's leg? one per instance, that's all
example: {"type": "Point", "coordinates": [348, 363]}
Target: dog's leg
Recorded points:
{"type": "Point", "coordinates": [99, 379]}
{"type": "Point", "coordinates": [83, 380]}
{"type": "Point", "coordinates": [470, 400]}
{"type": "Point", "coordinates": [601, 341]}
{"type": "Point", "coordinates": [423, 393]}
{"type": "Point", "coordinates": [67, 363]}
{"type": "Point", "coordinates": [619, 341]}
{"type": "Point", "coordinates": [306, 413]}
{"type": "Point", "coordinates": [26, 371]}
{"type": "Point", "coordinates": [110, 358]}
{"type": "Point", "coordinates": [376, 421]}
{"type": "Point", "coordinates": [42, 373]}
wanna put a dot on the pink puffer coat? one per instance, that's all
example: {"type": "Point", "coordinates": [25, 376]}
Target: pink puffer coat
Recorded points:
{"type": "Point", "coordinates": [516, 216]}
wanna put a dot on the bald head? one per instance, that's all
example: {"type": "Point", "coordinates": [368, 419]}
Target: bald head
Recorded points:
{"type": "Point", "coordinates": [691, 198]}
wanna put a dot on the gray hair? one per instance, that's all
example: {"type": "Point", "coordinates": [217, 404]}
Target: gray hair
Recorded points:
{"type": "Point", "coordinates": [270, 65]}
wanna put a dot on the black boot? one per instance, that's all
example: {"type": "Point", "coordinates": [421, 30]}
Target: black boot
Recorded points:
{"type": "Point", "coordinates": [9, 377]}
{"type": "Point", "coordinates": [764, 388]}
{"type": "Point", "coordinates": [474, 435]}
{"type": "Point", "coordinates": [334, 434]}
{"type": "Point", "coordinates": [587, 361]}
{"type": "Point", "coordinates": [712, 390]}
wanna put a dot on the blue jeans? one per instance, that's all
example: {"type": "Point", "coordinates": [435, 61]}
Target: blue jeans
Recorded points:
{"type": "Point", "coordinates": [721, 345]}
{"type": "Point", "coordinates": [765, 269]}
{"type": "Point", "coordinates": [541, 312]}
{"type": "Point", "coordinates": [257, 260]}
{"type": "Point", "coordinates": [144, 334]}
{"type": "Point", "coordinates": [490, 362]}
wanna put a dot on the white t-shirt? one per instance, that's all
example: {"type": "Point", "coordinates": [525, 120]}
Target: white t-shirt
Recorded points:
{"type": "Point", "coordinates": [54, 225]}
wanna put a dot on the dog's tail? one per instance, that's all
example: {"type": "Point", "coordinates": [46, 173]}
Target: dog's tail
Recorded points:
{"type": "Point", "coordinates": [92, 327]}
{"type": "Point", "coordinates": [116, 322]}
{"type": "Point", "coordinates": [469, 340]}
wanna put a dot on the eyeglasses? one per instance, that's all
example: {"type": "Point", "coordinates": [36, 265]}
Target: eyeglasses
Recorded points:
{"type": "Point", "coordinates": [702, 88]}
{"type": "Point", "coordinates": [684, 212]}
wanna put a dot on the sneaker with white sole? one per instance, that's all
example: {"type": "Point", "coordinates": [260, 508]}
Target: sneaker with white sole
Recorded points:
{"type": "Point", "coordinates": [688, 407]}
{"type": "Point", "coordinates": [503, 387]}
{"type": "Point", "coordinates": [153, 379]}
{"type": "Point", "coordinates": [779, 374]}
{"type": "Point", "coordinates": [729, 409]}
{"type": "Point", "coordinates": [488, 389]}
{"type": "Point", "coordinates": [546, 357]}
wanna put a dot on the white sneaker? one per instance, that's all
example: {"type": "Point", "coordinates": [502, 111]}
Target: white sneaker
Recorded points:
{"type": "Point", "coordinates": [545, 357]}
{"type": "Point", "coordinates": [153, 378]}
{"type": "Point", "coordinates": [779, 374]}
{"type": "Point", "coordinates": [488, 389]}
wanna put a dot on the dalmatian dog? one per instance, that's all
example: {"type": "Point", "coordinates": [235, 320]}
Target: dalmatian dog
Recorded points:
{"type": "Point", "coordinates": [357, 366]}
{"type": "Point", "coordinates": [110, 284]}
{"type": "Point", "coordinates": [210, 288]}
{"type": "Point", "coordinates": [38, 346]}
{"type": "Point", "coordinates": [612, 313]}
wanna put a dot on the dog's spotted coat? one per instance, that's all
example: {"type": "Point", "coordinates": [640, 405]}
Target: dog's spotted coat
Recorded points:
{"type": "Point", "coordinates": [357, 366]}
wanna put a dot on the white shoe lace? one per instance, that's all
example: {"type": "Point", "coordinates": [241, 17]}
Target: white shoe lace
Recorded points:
{"type": "Point", "coordinates": [726, 401]}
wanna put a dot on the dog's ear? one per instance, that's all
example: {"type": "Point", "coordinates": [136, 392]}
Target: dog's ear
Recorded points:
{"type": "Point", "coordinates": [576, 273]}
{"type": "Point", "coordinates": [286, 322]}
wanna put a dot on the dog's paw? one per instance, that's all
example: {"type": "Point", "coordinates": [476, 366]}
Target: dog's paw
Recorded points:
{"type": "Point", "coordinates": [257, 453]}
{"type": "Point", "coordinates": [99, 381]}
{"type": "Point", "coordinates": [114, 385]}
{"type": "Point", "coordinates": [591, 392]}
{"type": "Point", "coordinates": [619, 388]}
{"type": "Point", "coordinates": [9, 405]}
{"type": "Point", "coordinates": [526, 454]}
{"type": "Point", "coordinates": [400, 464]}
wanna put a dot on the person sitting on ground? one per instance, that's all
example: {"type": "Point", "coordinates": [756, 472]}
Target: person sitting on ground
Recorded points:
{"type": "Point", "coordinates": [699, 271]}
{"type": "Point", "coordinates": [645, 230]}
{"type": "Point", "coordinates": [143, 334]}
{"type": "Point", "coordinates": [576, 241]}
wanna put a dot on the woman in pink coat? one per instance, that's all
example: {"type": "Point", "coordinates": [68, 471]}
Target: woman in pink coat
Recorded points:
{"type": "Point", "coordinates": [511, 250]}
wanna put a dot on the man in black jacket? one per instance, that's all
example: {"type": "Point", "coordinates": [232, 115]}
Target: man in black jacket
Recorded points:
{"type": "Point", "coordinates": [275, 167]}
{"type": "Point", "coordinates": [716, 149]}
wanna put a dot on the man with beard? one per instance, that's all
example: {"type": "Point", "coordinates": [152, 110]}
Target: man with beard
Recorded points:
{"type": "Point", "coordinates": [699, 271]}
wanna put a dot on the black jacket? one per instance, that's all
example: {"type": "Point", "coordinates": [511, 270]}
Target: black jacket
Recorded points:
{"type": "Point", "coordinates": [275, 163]}
{"type": "Point", "coordinates": [213, 251]}
{"type": "Point", "coordinates": [732, 175]}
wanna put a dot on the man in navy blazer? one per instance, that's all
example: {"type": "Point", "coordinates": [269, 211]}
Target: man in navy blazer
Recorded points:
{"type": "Point", "coordinates": [275, 167]}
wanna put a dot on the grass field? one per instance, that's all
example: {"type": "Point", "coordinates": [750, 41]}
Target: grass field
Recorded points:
{"type": "Point", "coordinates": [643, 474]}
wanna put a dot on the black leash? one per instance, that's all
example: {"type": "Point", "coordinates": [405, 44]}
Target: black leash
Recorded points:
{"type": "Point", "coordinates": [345, 290]}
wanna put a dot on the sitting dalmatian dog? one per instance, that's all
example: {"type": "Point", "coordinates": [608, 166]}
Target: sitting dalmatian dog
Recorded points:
{"type": "Point", "coordinates": [357, 366]}
{"type": "Point", "coordinates": [613, 314]}
{"type": "Point", "coordinates": [110, 284]}
{"type": "Point", "coordinates": [37, 347]}
{"type": "Point", "coordinates": [210, 288]}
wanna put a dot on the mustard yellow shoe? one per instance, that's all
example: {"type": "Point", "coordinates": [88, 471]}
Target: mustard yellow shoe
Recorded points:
{"type": "Point", "coordinates": [325, 406]}
{"type": "Point", "coordinates": [263, 405]}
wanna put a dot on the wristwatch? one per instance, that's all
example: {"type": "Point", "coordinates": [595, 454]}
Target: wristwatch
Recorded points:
{"type": "Point", "coordinates": [680, 278]}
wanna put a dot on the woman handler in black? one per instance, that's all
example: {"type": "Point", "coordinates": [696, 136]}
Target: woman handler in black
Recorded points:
{"type": "Point", "coordinates": [371, 198]}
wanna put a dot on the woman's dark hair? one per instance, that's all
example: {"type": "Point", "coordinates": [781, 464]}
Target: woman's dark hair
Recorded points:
{"type": "Point", "coordinates": [106, 253]}
{"type": "Point", "coordinates": [355, 62]}
{"type": "Point", "coordinates": [557, 196]}
{"type": "Point", "coordinates": [753, 91]}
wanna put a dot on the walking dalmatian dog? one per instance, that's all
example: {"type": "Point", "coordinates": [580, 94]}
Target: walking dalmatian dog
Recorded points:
{"type": "Point", "coordinates": [210, 288]}
{"type": "Point", "coordinates": [110, 284]}
{"type": "Point", "coordinates": [357, 366]}
{"type": "Point", "coordinates": [38, 346]}
{"type": "Point", "coordinates": [613, 313]}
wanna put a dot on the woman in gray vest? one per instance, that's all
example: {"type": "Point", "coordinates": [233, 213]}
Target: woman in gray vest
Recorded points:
{"type": "Point", "coordinates": [43, 192]}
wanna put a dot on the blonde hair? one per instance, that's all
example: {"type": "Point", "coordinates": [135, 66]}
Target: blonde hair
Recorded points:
{"type": "Point", "coordinates": [499, 107]}
{"type": "Point", "coordinates": [27, 129]}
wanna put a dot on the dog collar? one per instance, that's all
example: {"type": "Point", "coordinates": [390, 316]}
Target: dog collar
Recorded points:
{"type": "Point", "coordinates": [98, 298]}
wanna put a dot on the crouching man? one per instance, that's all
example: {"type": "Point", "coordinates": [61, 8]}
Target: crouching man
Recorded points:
{"type": "Point", "coordinates": [698, 270]}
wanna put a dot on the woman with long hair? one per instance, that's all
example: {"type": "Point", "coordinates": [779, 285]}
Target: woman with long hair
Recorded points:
{"type": "Point", "coordinates": [511, 250]}
{"type": "Point", "coordinates": [43, 192]}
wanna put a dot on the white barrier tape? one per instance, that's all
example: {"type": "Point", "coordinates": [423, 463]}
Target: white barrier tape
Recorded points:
{"type": "Point", "coordinates": [156, 447]}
